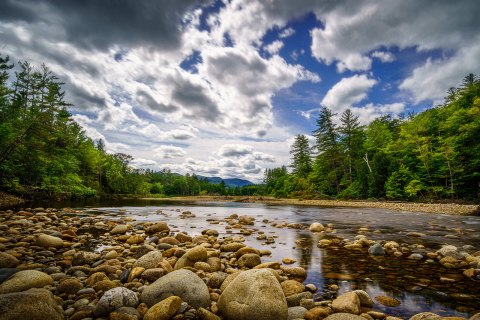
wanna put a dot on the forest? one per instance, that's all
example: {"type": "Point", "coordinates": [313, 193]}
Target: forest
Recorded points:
{"type": "Point", "coordinates": [432, 155]}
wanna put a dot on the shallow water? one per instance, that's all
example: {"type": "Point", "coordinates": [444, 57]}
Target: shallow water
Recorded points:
{"type": "Point", "coordinates": [415, 283]}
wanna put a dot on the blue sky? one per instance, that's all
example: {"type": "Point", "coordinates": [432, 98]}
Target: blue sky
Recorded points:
{"type": "Point", "coordinates": [220, 88]}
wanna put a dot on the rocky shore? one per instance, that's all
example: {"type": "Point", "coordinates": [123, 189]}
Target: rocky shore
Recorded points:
{"type": "Point", "coordinates": [52, 268]}
{"type": "Point", "coordinates": [438, 208]}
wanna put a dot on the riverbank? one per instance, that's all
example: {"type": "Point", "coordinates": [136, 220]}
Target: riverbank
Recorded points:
{"type": "Point", "coordinates": [7, 200]}
{"type": "Point", "coordinates": [438, 208]}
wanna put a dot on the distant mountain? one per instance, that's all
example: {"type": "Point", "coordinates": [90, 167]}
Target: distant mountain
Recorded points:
{"type": "Point", "coordinates": [233, 182]}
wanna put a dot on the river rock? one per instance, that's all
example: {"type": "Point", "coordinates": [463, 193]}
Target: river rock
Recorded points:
{"type": "Point", "coordinates": [344, 316]}
{"type": "Point", "coordinates": [33, 304]}
{"type": "Point", "coordinates": [296, 313]}
{"type": "Point", "coordinates": [158, 227]}
{"type": "Point", "coordinates": [318, 313]}
{"type": "Point", "coordinates": [376, 250]}
{"type": "Point", "coordinates": [388, 301]}
{"type": "Point", "coordinates": [114, 299]}
{"type": "Point", "coordinates": [365, 300]}
{"type": "Point", "coordinates": [254, 295]}
{"type": "Point", "coordinates": [85, 257]}
{"type": "Point", "coordinates": [316, 227]}
{"type": "Point", "coordinates": [46, 241]}
{"type": "Point", "coordinates": [6, 273]}
{"type": "Point", "coordinates": [198, 253]}
{"type": "Point", "coordinates": [204, 314]}
{"type": "Point", "coordinates": [347, 303]}
{"type": "Point", "coordinates": [24, 280]}
{"type": "Point", "coordinates": [425, 316]}
{"type": "Point", "coordinates": [119, 229]}
{"type": "Point", "coordinates": [149, 260]}
{"type": "Point", "coordinates": [294, 299]}
{"type": "Point", "coordinates": [69, 286]}
{"type": "Point", "coordinates": [231, 247]}
{"type": "Point", "coordinates": [164, 310]}
{"type": "Point", "coordinates": [290, 287]}
{"type": "Point", "coordinates": [249, 260]}
{"type": "Point", "coordinates": [183, 283]}
{"type": "Point", "coordinates": [8, 261]}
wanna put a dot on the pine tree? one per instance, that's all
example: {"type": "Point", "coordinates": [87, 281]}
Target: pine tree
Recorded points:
{"type": "Point", "coordinates": [351, 140]}
{"type": "Point", "coordinates": [301, 158]}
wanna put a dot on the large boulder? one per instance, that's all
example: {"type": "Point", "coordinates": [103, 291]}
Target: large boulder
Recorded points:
{"type": "Point", "coordinates": [8, 261]}
{"type": "Point", "coordinates": [182, 283]}
{"type": "Point", "coordinates": [46, 241]}
{"type": "Point", "coordinates": [198, 253]}
{"type": "Point", "coordinates": [33, 304]}
{"type": "Point", "coordinates": [149, 260]}
{"type": "Point", "coordinates": [115, 298]}
{"type": "Point", "coordinates": [24, 280]}
{"type": "Point", "coordinates": [254, 295]}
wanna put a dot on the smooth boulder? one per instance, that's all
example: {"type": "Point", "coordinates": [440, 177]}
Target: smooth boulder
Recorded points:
{"type": "Point", "coordinates": [254, 295]}
{"type": "Point", "coordinates": [33, 304]}
{"type": "Point", "coordinates": [24, 280]}
{"type": "Point", "coordinates": [46, 241]}
{"type": "Point", "coordinates": [8, 261]}
{"type": "Point", "coordinates": [198, 253]}
{"type": "Point", "coordinates": [149, 260]}
{"type": "Point", "coordinates": [182, 283]}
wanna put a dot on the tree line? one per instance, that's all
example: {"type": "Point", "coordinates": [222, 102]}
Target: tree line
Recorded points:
{"type": "Point", "coordinates": [431, 155]}
{"type": "Point", "coordinates": [44, 151]}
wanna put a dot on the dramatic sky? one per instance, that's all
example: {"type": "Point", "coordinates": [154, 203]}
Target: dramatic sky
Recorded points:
{"type": "Point", "coordinates": [220, 88]}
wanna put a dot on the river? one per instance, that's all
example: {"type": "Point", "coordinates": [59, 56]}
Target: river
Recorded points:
{"type": "Point", "coordinates": [417, 284]}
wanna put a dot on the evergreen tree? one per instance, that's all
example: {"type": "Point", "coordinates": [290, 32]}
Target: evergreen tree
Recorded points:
{"type": "Point", "coordinates": [351, 140]}
{"type": "Point", "coordinates": [301, 158]}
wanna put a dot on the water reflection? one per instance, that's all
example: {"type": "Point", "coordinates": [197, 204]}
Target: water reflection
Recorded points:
{"type": "Point", "coordinates": [415, 283]}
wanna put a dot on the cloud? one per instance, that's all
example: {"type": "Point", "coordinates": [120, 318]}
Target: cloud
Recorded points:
{"type": "Point", "coordinates": [235, 150]}
{"type": "Point", "coordinates": [383, 56]}
{"type": "Point", "coordinates": [169, 152]}
{"type": "Point", "coordinates": [274, 47]}
{"type": "Point", "coordinates": [347, 92]}
{"type": "Point", "coordinates": [126, 23]}
{"type": "Point", "coordinates": [432, 79]}
{"type": "Point", "coordinates": [370, 111]}
{"type": "Point", "coordinates": [286, 33]}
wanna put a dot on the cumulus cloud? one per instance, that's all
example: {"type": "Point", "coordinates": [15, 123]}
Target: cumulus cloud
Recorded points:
{"type": "Point", "coordinates": [274, 47]}
{"type": "Point", "coordinates": [383, 56]}
{"type": "Point", "coordinates": [169, 152]}
{"type": "Point", "coordinates": [347, 92]}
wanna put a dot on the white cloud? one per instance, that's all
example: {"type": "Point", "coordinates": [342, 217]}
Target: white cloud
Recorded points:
{"type": "Point", "coordinates": [383, 56]}
{"type": "Point", "coordinates": [274, 47]}
{"type": "Point", "coordinates": [347, 92]}
{"type": "Point", "coordinates": [370, 111]}
{"type": "Point", "coordinates": [431, 80]}
{"type": "Point", "coordinates": [286, 33]}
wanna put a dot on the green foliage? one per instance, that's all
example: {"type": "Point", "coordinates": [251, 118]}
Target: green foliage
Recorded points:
{"type": "Point", "coordinates": [431, 155]}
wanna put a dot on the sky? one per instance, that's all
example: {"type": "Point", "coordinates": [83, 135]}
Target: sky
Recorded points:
{"type": "Point", "coordinates": [220, 88]}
